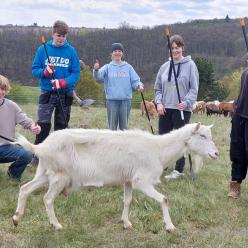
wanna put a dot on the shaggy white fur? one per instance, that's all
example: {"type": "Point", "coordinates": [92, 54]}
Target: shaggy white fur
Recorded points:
{"type": "Point", "coordinates": [71, 158]}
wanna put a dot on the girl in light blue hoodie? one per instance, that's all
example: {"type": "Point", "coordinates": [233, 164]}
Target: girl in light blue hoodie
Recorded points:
{"type": "Point", "coordinates": [120, 79]}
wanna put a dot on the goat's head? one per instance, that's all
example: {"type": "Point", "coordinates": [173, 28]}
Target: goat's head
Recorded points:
{"type": "Point", "coordinates": [201, 143]}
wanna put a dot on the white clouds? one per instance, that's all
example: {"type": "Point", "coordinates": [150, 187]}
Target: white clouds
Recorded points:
{"type": "Point", "coordinates": [110, 13]}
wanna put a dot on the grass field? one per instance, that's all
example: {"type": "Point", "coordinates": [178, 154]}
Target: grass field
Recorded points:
{"type": "Point", "coordinates": [200, 209]}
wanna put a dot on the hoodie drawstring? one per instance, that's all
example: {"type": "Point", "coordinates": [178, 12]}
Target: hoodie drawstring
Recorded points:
{"type": "Point", "coordinates": [170, 71]}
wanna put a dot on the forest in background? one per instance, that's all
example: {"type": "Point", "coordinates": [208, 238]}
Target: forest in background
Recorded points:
{"type": "Point", "coordinates": [220, 41]}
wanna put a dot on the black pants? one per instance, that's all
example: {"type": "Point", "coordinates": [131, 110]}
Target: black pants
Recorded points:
{"type": "Point", "coordinates": [172, 120]}
{"type": "Point", "coordinates": [239, 148]}
{"type": "Point", "coordinates": [48, 102]}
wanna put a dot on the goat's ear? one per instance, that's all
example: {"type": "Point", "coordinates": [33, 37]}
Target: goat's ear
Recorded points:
{"type": "Point", "coordinates": [210, 126]}
{"type": "Point", "coordinates": [196, 128]}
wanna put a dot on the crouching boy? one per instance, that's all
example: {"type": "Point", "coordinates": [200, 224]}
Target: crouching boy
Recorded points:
{"type": "Point", "coordinates": [11, 115]}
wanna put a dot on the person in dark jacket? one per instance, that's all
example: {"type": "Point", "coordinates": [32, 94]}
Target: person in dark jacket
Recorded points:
{"type": "Point", "coordinates": [239, 139]}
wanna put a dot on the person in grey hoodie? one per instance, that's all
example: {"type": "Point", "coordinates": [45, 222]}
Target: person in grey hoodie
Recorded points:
{"type": "Point", "coordinates": [120, 79]}
{"type": "Point", "coordinates": [166, 97]}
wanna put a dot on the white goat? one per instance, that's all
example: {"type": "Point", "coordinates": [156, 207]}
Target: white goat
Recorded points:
{"type": "Point", "coordinates": [71, 158]}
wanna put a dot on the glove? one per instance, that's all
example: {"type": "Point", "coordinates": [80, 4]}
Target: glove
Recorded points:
{"type": "Point", "coordinates": [48, 72]}
{"type": "Point", "coordinates": [59, 84]}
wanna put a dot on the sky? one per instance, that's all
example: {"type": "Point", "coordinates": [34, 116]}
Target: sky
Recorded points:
{"type": "Point", "coordinates": [114, 13]}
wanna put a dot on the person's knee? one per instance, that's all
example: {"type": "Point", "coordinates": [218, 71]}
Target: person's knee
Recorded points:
{"type": "Point", "coordinates": [26, 156]}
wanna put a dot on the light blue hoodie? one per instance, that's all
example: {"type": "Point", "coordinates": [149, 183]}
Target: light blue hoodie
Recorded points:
{"type": "Point", "coordinates": [65, 60]}
{"type": "Point", "coordinates": [120, 79]}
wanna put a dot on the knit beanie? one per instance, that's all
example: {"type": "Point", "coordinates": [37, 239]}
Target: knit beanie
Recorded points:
{"type": "Point", "coordinates": [117, 46]}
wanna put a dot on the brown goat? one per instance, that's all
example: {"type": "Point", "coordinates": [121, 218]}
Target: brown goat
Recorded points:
{"type": "Point", "coordinates": [226, 107]}
{"type": "Point", "coordinates": [150, 108]}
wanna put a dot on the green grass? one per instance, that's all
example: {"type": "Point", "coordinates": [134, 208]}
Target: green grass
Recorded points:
{"type": "Point", "coordinates": [200, 209]}
{"type": "Point", "coordinates": [25, 94]}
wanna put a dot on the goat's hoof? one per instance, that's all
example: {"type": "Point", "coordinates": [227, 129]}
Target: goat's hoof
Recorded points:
{"type": "Point", "coordinates": [64, 192]}
{"type": "Point", "coordinates": [171, 229]}
{"type": "Point", "coordinates": [128, 226]}
{"type": "Point", "coordinates": [15, 220]}
{"type": "Point", "coordinates": [57, 227]}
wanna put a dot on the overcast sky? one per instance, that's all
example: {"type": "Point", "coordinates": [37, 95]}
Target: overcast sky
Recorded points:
{"type": "Point", "coordinates": [111, 13]}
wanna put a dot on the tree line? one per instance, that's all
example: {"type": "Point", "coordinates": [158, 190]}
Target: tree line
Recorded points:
{"type": "Point", "coordinates": [218, 41]}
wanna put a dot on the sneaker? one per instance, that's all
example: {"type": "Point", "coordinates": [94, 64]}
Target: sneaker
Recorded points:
{"type": "Point", "coordinates": [14, 179]}
{"type": "Point", "coordinates": [34, 162]}
{"type": "Point", "coordinates": [174, 174]}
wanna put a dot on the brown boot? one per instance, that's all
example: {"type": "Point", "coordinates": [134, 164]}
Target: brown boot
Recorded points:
{"type": "Point", "coordinates": [234, 191]}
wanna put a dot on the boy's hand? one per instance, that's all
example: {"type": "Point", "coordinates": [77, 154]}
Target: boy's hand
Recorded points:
{"type": "Point", "coordinates": [35, 128]}
{"type": "Point", "coordinates": [59, 84]}
{"type": "Point", "coordinates": [48, 72]}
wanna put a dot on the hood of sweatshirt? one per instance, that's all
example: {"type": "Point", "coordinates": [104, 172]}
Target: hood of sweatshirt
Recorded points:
{"type": "Point", "coordinates": [179, 63]}
{"type": "Point", "coordinates": [122, 63]}
{"type": "Point", "coordinates": [183, 60]}
{"type": "Point", "coordinates": [50, 43]}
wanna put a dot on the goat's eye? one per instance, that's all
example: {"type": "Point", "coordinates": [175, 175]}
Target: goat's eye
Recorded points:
{"type": "Point", "coordinates": [203, 136]}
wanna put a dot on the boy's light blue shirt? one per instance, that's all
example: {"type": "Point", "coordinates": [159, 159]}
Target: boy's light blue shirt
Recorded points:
{"type": "Point", "coordinates": [120, 79]}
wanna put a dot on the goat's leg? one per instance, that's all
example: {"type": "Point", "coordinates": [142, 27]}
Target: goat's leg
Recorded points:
{"type": "Point", "coordinates": [150, 191]}
{"type": "Point", "coordinates": [127, 200]}
{"type": "Point", "coordinates": [198, 163]}
{"type": "Point", "coordinates": [56, 185]}
{"type": "Point", "coordinates": [26, 189]}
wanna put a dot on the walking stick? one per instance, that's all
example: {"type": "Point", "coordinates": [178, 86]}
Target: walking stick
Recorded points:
{"type": "Point", "coordinates": [81, 102]}
{"type": "Point", "coordinates": [147, 114]}
{"type": "Point", "coordinates": [3, 137]}
{"type": "Point", "coordinates": [242, 24]}
{"type": "Point", "coordinates": [43, 40]}
{"type": "Point", "coordinates": [167, 33]}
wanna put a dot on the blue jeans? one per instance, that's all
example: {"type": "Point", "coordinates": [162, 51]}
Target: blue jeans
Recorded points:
{"type": "Point", "coordinates": [18, 155]}
{"type": "Point", "coordinates": [118, 113]}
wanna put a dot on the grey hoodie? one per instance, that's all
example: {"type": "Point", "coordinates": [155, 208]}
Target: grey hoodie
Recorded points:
{"type": "Point", "coordinates": [10, 116]}
{"type": "Point", "coordinates": [188, 83]}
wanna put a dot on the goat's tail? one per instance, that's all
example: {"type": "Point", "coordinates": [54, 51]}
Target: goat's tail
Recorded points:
{"type": "Point", "coordinates": [22, 141]}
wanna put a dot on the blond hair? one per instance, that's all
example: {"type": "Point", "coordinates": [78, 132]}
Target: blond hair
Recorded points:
{"type": "Point", "coordinates": [4, 84]}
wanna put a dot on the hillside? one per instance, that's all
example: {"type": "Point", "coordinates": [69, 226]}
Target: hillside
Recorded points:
{"type": "Point", "coordinates": [219, 40]}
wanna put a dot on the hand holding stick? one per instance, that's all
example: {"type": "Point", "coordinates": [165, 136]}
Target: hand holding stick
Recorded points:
{"type": "Point", "coordinates": [82, 103]}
